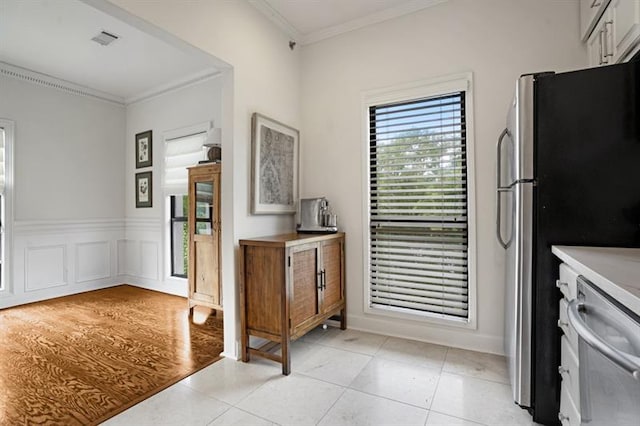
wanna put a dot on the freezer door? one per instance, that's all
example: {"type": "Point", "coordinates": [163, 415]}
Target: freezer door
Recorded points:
{"type": "Point", "coordinates": [518, 284]}
{"type": "Point", "coordinates": [523, 129]}
{"type": "Point", "coordinates": [515, 146]}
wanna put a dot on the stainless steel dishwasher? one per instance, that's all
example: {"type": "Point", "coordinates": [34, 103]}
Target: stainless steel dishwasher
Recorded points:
{"type": "Point", "coordinates": [609, 352]}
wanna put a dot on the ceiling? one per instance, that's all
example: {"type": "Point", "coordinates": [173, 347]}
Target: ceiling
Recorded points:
{"type": "Point", "coordinates": [53, 37]}
{"type": "Point", "coordinates": [308, 21]}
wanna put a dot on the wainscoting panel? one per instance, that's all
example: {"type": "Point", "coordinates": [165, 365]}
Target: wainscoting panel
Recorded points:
{"type": "Point", "coordinates": [46, 267]}
{"type": "Point", "coordinates": [149, 259]}
{"type": "Point", "coordinates": [93, 261]}
{"type": "Point", "coordinates": [61, 257]}
{"type": "Point", "coordinates": [128, 256]}
{"type": "Point", "coordinates": [58, 258]}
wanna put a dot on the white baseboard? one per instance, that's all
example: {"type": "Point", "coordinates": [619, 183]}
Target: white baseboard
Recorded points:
{"type": "Point", "coordinates": [230, 356]}
{"type": "Point", "coordinates": [162, 287]}
{"type": "Point", "coordinates": [457, 338]}
{"type": "Point", "coordinates": [8, 300]}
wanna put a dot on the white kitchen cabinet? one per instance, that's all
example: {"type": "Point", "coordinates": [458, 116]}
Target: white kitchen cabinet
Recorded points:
{"type": "Point", "coordinates": [616, 35]}
{"type": "Point", "coordinates": [623, 33]}
{"type": "Point", "coordinates": [599, 44]}
{"type": "Point", "coordinates": [568, 369]}
{"type": "Point", "coordinates": [590, 13]}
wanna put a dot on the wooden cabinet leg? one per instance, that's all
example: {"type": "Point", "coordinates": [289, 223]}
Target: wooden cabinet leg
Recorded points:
{"type": "Point", "coordinates": [190, 311]}
{"type": "Point", "coordinates": [286, 358]}
{"type": "Point", "coordinates": [244, 345]}
{"type": "Point", "coordinates": [343, 319]}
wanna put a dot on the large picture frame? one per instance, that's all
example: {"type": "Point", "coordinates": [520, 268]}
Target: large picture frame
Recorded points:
{"type": "Point", "coordinates": [144, 189]}
{"type": "Point", "coordinates": [274, 166]}
{"type": "Point", "coordinates": [144, 149]}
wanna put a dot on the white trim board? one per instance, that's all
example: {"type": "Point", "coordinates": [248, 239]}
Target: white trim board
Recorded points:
{"type": "Point", "coordinates": [41, 79]}
{"type": "Point", "coordinates": [35, 77]}
{"type": "Point", "coordinates": [446, 336]}
{"type": "Point", "coordinates": [405, 8]}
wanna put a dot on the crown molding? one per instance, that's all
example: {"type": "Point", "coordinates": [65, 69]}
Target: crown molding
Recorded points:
{"type": "Point", "coordinates": [335, 30]}
{"type": "Point", "coordinates": [275, 17]}
{"type": "Point", "coordinates": [41, 79]}
{"type": "Point", "coordinates": [174, 85]}
{"type": "Point", "coordinates": [372, 19]}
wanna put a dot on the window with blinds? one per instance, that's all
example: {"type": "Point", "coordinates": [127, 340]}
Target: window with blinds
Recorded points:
{"type": "Point", "coordinates": [418, 254]}
{"type": "Point", "coordinates": [180, 153]}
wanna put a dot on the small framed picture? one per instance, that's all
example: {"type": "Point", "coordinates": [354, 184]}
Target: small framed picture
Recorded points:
{"type": "Point", "coordinates": [144, 189]}
{"type": "Point", "coordinates": [144, 145]}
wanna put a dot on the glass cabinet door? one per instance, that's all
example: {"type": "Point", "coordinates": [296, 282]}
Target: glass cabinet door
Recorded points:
{"type": "Point", "coordinates": [204, 208]}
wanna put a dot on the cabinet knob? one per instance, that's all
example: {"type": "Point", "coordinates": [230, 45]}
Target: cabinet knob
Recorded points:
{"type": "Point", "coordinates": [563, 418]}
{"type": "Point", "coordinates": [562, 324]}
{"type": "Point", "coordinates": [562, 370]}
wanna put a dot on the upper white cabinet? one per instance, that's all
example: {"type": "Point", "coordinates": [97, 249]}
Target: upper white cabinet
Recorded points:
{"type": "Point", "coordinates": [590, 12]}
{"type": "Point", "coordinates": [616, 34]}
{"type": "Point", "coordinates": [625, 27]}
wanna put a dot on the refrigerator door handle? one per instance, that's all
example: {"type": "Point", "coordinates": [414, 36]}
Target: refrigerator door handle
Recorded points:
{"type": "Point", "coordinates": [499, 190]}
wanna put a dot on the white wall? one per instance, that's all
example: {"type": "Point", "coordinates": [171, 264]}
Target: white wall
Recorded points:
{"type": "Point", "coordinates": [60, 137]}
{"type": "Point", "coordinates": [146, 260]}
{"type": "Point", "coordinates": [497, 40]}
{"type": "Point", "coordinates": [264, 78]}
{"type": "Point", "coordinates": [68, 180]}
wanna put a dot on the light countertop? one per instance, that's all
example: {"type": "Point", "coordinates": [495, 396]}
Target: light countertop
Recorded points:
{"type": "Point", "coordinates": [614, 270]}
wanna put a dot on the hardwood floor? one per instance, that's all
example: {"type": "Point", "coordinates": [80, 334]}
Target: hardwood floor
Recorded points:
{"type": "Point", "coordinates": [84, 358]}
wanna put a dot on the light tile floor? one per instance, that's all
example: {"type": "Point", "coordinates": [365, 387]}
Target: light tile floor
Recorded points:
{"type": "Point", "coordinates": [342, 378]}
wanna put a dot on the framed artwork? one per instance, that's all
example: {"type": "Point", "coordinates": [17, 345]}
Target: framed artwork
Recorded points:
{"type": "Point", "coordinates": [144, 189]}
{"type": "Point", "coordinates": [144, 146]}
{"type": "Point", "coordinates": [274, 166]}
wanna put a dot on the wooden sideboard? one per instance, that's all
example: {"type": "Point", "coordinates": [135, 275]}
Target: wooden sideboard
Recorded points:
{"type": "Point", "coordinates": [289, 284]}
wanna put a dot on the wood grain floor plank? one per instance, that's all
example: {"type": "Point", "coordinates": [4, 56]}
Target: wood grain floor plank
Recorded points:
{"type": "Point", "coordinates": [80, 359]}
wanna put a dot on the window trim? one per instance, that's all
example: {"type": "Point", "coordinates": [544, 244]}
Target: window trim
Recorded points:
{"type": "Point", "coordinates": [406, 92]}
{"type": "Point", "coordinates": [6, 288]}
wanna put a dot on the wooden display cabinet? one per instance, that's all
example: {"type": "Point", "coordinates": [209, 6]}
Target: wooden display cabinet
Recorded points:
{"type": "Point", "coordinates": [204, 237]}
{"type": "Point", "coordinates": [289, 284]}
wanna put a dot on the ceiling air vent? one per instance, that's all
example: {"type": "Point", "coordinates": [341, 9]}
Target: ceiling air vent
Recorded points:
{"type": "Point", "coordinates": [104, 38]}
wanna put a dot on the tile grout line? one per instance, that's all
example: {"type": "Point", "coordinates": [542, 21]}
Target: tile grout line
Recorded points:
{"type": "Point", "coordinates": [467, 376]}
{"type": "Point", "coordinates": [344, 390]}
{"type": "Point", "coordinates": [387, 398]}
{"type": "Point", "coordinates": [255, 415]}
{"type": "Point", "coordinates": [458, 417]}
{"type": "Point", "coordinates": [253, 391]}
{"type": "Point", "coordinates": [435, 391]}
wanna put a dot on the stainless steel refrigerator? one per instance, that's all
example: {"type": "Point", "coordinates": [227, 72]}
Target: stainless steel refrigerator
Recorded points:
{"type": "Point", "coordinates": [568, 166]}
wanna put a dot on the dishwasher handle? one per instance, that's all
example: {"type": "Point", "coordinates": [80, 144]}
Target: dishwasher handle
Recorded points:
{"type": "Point", "coordinates": [622, 359]}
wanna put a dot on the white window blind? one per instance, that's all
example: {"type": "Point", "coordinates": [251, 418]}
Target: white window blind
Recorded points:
{"type": "Point", "coordinates": [180, 153]}
{"type": "Point", "coordinates": [418, 206]}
